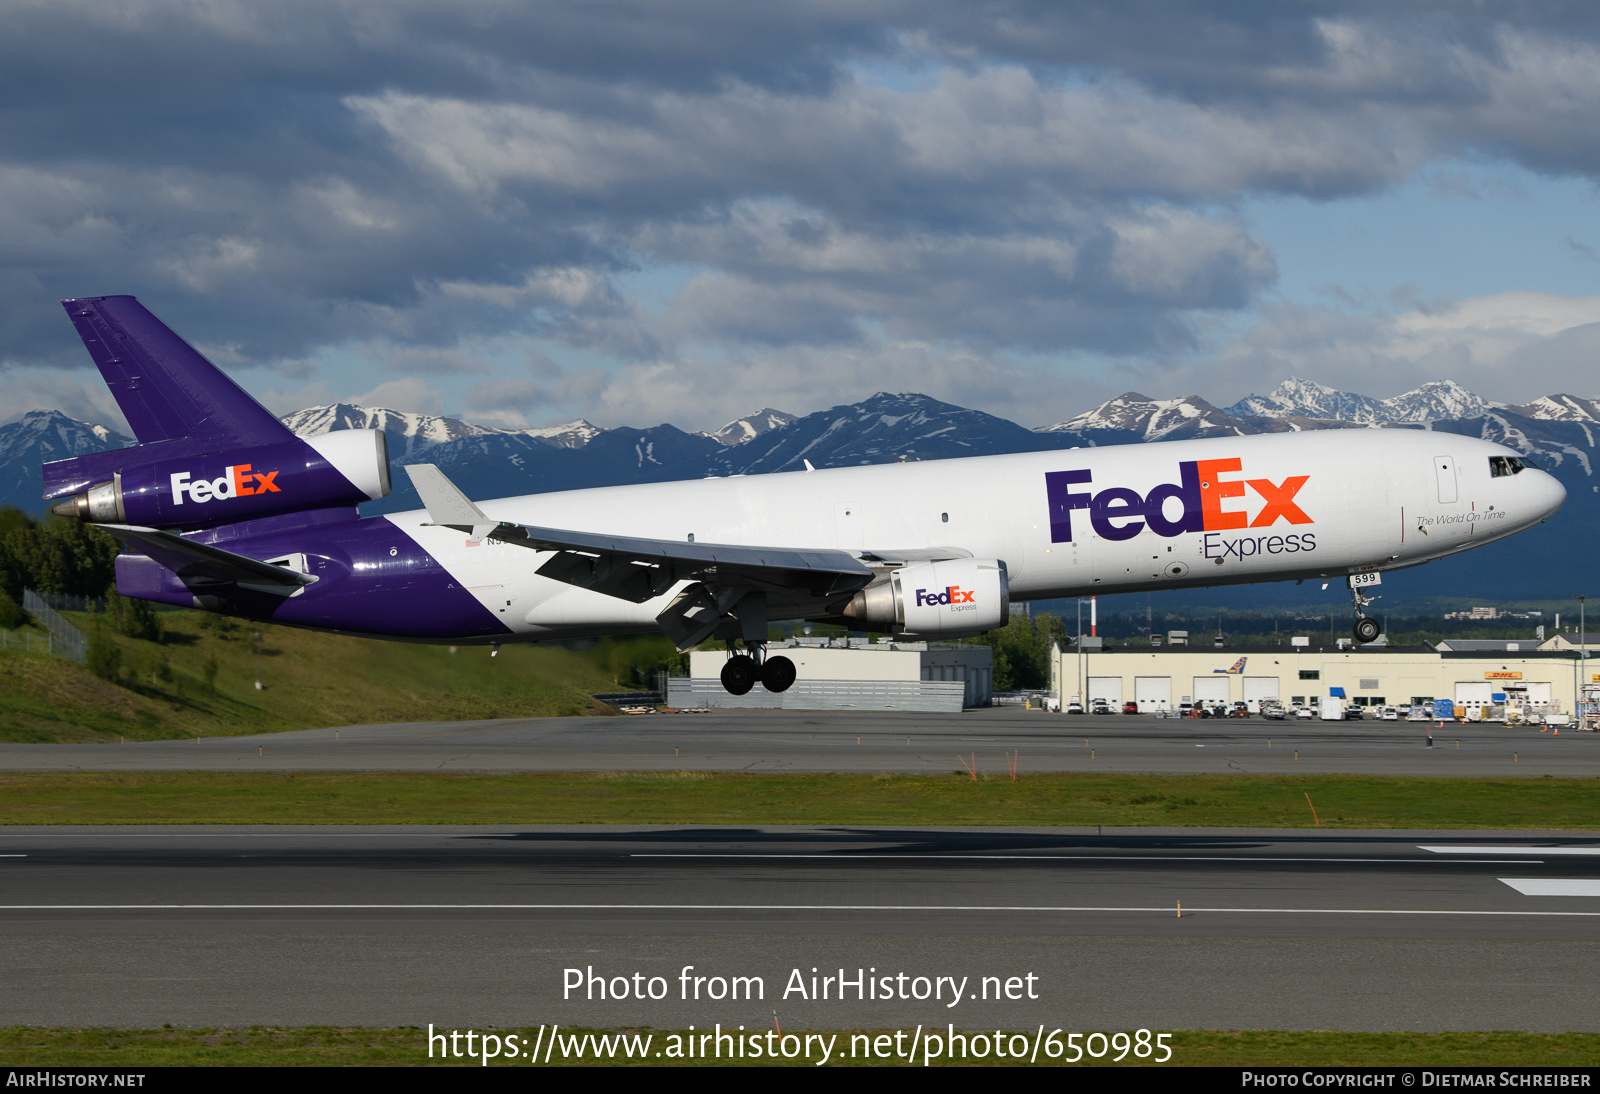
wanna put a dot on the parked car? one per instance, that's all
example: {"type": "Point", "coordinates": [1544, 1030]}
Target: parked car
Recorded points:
{"type": "Point", "coordinates": [1099, 706]}
{"type": "Point", "coordinates": [1240, 710]}
{"type": "Point", "coordinates": [1130, 707]}
{"type": "Point", "coordinates": [1355, 713]}
{"type": "Point", "coordinates": [1275, 713]}
{"type": "Point", "coordinates": [1074, 707]}
{"type": "Point", "coordinates": [1305, 712]}
{"type": "Point", "coordinates": [1388, 714]}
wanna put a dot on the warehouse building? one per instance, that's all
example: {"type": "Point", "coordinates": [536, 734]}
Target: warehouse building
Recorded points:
{"type": "Point", "coordinates": [852, 674]}
{"type": "Point", "coordinates": [1163, 678]}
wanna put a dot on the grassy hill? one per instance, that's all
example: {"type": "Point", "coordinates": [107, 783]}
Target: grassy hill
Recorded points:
{"type": "Point", "coordinates": [309, 680]}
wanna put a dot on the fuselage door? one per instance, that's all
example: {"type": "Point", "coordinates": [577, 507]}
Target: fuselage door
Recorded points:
{"type": "Point", "coordinates": [1444, 470]}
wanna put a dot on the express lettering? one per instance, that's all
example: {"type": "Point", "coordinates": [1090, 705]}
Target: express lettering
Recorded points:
{"type": "Point", "coordinates": [1218, 546]}
{"type": "Point", "coordinates": [952, 595]}
{"type": "Point", "coordinates": [238, 481]}
{"type": "Point", "coordinates": [1203, 494]}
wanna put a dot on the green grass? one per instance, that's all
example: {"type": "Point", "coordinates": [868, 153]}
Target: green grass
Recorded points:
{"type": "Point", "coordinates": [310, 680]}
{"type": "Point", "coordinates": [22, 1046]}
{"type": "Point", "coordinates": [1342, 801]}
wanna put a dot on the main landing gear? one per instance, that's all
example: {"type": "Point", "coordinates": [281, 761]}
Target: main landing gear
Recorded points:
{"type": "Point", "coordinates": [1366, 628]}
{"type": "Point", "coordinates": [742, 671]}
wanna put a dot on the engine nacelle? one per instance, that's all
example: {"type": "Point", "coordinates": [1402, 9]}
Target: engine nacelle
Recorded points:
{"type": "Point", "coordinates": [345, 467]}
{"type": "Point", "coordinates": [953, 599]}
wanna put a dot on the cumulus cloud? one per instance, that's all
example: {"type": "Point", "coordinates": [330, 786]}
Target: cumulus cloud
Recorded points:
{"type": "Point", "coordinates": [952, 192]}
{"type": "Point", "coordinates": [1508, 347]}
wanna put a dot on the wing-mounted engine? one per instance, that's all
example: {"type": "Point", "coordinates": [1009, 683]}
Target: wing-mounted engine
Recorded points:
{"type": "Point", "coordinates": [949, 599]}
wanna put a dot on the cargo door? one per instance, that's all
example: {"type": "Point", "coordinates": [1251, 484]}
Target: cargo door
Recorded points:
{"type": "Point", "coordinates": [1211, 689]}
{"type": "Point", "coordinates": [1152, 693]}
{"type": "Point", "coordinates": [1108, 688]}
{"type": "Point", "coordinates": [1475, 695]}
{"type": "Point", "coordinates": [1257, 689]}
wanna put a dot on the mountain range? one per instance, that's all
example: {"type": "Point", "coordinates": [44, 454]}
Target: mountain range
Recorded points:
{"type": "Point", "coordinates": [1558, 431]}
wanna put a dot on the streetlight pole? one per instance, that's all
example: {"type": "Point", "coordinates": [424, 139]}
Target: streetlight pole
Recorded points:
{"type": "Point", "coordinates": [1583, 653]}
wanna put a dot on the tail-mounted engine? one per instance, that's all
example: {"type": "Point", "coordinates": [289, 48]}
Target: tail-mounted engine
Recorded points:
{"type": "Point", "coordinates": [199, 489]}
{"type": "Point", "coordinates": [951, 599]}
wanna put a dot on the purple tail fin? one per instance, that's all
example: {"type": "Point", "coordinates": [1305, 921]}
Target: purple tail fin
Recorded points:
{"type": "Point", "coordinates": [164, 386]}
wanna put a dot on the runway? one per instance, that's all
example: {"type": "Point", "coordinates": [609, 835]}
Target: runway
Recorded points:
{"type": "Point", "coordinates": [477, 926]}
{"type": "Point", "coordinates": [865, 741]}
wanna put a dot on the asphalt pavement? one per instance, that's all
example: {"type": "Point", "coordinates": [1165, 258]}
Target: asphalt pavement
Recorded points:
{"type": "Point", "coordinates": [866, 741]}
{"type": "Point", "coordinates": [498, 926]}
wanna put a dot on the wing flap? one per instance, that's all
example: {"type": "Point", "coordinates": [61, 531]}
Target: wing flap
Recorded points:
{"type": "Point", "coordinates": [200, 562]}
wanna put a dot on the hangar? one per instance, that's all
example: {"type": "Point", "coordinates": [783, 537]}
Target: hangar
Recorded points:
{"type": "Point", "coordinates": [1161, 678]}
{"type": "Point", "coordinates": [852, 674]}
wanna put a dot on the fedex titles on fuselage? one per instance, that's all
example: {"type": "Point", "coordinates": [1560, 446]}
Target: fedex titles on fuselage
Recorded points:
{"type": "Point", "coordinates": [1203, 495]}
{"type": "Point", "coordinates": [235, 482]}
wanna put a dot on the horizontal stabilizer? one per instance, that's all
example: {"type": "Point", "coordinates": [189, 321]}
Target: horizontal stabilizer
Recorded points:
{"type": "Point", "coordinates": [200, 562]}
{"type": "Point", "coordinates": [167, 390]}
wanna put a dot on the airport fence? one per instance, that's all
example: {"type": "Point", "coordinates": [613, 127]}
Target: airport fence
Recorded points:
{"type": "Point", "coordinates": [65, 639]}
{"type": "Point", "coordinates": [69, 602]}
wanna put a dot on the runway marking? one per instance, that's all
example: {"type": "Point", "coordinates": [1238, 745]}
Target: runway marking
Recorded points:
{"type": "Point", "coordinates": [914, 857]}
{"type": "Point", "coordinates": [1464, 849]}
{"type": "Point", "coordinates": [13, 856]}
{"type": "Point", "coordinates": [1164, 910]}
{"type": "Point", "coordinates": [1566, 886]}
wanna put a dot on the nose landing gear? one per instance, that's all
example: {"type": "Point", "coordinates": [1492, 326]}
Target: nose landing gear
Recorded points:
{"type": "Point", "coordinates": [741, 671]}
{"type": "Point", "coordinates": [1366, 628]}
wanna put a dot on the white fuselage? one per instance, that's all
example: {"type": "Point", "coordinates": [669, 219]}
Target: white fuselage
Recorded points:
{"type": "Point", "coordinates": [1300, 505]}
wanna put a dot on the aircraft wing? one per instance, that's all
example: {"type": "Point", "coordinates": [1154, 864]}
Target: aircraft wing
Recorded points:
{"type": "Point", "coordinates": [729, 581]}
{"type": "Point", "coordinates": [202, 562]}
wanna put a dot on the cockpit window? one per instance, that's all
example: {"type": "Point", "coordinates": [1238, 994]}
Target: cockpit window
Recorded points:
{"type": "Point", "coordinates": [1508, 465]}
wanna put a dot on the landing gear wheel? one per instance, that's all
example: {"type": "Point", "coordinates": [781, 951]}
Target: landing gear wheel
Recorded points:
{"type": "Point", "coordinates": [777, 673]}
{"type": "Point", "coordinates": [1366, 630]}
{"type": "Point", "coordinates": [739, 675]}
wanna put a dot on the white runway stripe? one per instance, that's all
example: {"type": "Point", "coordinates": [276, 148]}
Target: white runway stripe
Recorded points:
{"type": "Point", "coordinates": [1449, 849]}
{"type": "Point", "coordinates": [1557, 886]}
{"type": "Point", "coordinates": [1165, 910]}
{"type": "Point", "coordinates": [913, 856]}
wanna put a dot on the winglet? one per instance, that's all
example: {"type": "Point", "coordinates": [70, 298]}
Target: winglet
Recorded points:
{"type": "Point", "coordinates": [447, 506]}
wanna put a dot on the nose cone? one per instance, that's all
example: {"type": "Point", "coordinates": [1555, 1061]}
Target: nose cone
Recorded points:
{"type": "Point", "coordinates": [1552, 495]}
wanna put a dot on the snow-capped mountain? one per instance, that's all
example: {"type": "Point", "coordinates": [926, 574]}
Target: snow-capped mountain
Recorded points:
{"type": "Point", "coordinates": [1142, 418]}
{"type": "Point", "coordinates": [407, 433]}
{"type": "Point", "coordinates": [1560, 408]}
{"type": "Point", "coordinates": [574, 434]}
{"type": "Point", "coordinates": [1557, 431]}
{"type": "Point", "coordinates": [1434, 401]}
{"type": "Point", "coordinates": [884, 428]}
{"type": "Point", "coordinates": [751, 426]}
{"type": "Point", "coordinates": [39, 437]}
{"type": "Point", "coordinates": [410, 433]}
{"type": "Point", "coordinates": [1297, 398]}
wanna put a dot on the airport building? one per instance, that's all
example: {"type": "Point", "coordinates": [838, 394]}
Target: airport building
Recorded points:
{"type": "Point", "coordinates": [1474, 678]}
{"type": "Point", "coordinates": [852, 674]}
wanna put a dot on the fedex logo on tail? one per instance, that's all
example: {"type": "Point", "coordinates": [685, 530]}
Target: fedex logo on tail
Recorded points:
{"type": "Point", "coordinates": [237, 481]}
{"type": "Point", "coordinates": [953, 595]}
{"type": "Point", "coordinates": [1204, 492]}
